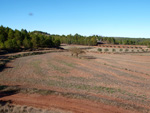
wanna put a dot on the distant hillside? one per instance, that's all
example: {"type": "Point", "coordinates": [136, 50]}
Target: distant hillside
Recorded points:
{"type": "Point", "coordinates": [40, 32]}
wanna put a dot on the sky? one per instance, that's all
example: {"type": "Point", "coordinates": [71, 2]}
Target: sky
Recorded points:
{"type": "Point", "coordinates": [117, 18]}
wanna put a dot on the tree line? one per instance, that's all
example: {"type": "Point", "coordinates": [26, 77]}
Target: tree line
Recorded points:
{"type": "Point", "coordinates": [77, 39]}
{"type": "Point", "coordinates": [126, 41]}
{"type": "Point", "coordinates": [15, 40]}
{"type": "Point", "coordinates": [92, 40]}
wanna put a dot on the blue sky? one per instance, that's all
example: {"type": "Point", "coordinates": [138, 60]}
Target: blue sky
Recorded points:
{"type": "Point", "coordinates": [122, 18]}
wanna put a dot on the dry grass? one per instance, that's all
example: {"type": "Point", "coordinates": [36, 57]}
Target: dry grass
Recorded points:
{"type": "Point", "coordinates": [124, 77]}
{"type": "Point", "coordinates": [7, 107]}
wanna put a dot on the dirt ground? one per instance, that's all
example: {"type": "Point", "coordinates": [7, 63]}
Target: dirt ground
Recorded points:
{"type": "Point", "coordinates": [65, 104]}
{"type": "Point", "coordinates": [110, 83]}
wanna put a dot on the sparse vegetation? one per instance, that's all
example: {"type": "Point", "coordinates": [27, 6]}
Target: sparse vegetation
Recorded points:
{"type": "Point", "coordinates": [132, 51]}
{"type": "Point", "coordinates": [126, 50]}
{"type": "Point", "coordinates": [106, 50]}
{"type": "Point", "coordinates": [81, 78]}
{"type": "Point", "coordinates": [120, 50]}
{"type": "Point", "coordinates": [8, 107]}
{"type": "Point", "coordinates": [113, 50]}
{"type": "Point", "coordinates": [143, 50]}
{"type": "Point", "coordinates": [99, 49]}
{"type": "Point", "coordinates": [12, 57]}
{"type": "Point", "coordinates": [76, 51]}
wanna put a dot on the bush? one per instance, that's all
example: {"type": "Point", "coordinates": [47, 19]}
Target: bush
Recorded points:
{"type": "Point", "coordinates": [99, 49]}
{"type": "Point", "coordinates": [121, 50]}
{"type": "Point", "coordinates": [143, 50]}
{"type": "Point", "coordinates": [113, 50]}
{"type": "Point", "coordinates": [106, 50]}
{"type": "Point", "coordinates": [126, 50]}
{"type": "Point", "coordinates": [76, 51]}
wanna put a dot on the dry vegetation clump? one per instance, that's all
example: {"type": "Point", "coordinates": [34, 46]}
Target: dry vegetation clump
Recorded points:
{"type": "Point", "coordinates": [76, 51]}
{"type": "Point", "coordinates": [106, 49]}
{"type": "Point", "coordinates": [8, 107]}
{"type": "Point", "coordinates": [99, 49]}
{"type": "Point", "coordinates": [113, 50]}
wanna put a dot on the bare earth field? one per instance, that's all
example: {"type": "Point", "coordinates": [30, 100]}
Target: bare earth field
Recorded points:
{"type": "Point", "coordinates": [59, 83]}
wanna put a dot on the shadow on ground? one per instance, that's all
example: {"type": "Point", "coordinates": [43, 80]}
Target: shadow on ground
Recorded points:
{"type": "Point", "coordinates": [3, 103]}
{"type": "Point", "coordinates": [6, 91]}
{"type": "Point", "coordinates": [4, 67]}
{"type": "Point", "coordinates": [88, 57]}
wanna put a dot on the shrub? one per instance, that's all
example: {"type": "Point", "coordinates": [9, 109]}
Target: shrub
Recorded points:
{"type": "Point", "coordinates": [121, 50]}
{"type": "Point", "coordinates": [126, 50]}
{"type": "Point", "coordinates": [132, 50]}
{"type": "Point", "coordinates": [76, 51]}
{"type": "Point", "coordinates": [113, 50]}
{"type": "Point", "coordinates": [106, 50]}
{"type": "Point", "coordinates": [99, 49]}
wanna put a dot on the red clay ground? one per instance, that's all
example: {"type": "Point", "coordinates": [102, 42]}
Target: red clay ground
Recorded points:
{"type": "Point", "coordinates": [73, 105]}
{"type": "Point", "coordinates": [109, 83]}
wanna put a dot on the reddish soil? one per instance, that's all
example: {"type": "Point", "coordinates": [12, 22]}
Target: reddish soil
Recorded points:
{"type": "Point", "coordinates": [74, 105]}
{"type": "Point", "coordinates": [116, 81]}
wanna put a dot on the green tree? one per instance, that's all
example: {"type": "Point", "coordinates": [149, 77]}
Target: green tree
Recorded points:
{"type": "Point", "coordinates": [93, 41]}
{"type": "Point", "coordinates": [18, 35]}
{"type": "Point", "coordinates": [27, 43]}
{"type": "Point", "coordinates": [2, 38]}
{"type": "Point", "coordinates": [2, 46]}
{"type": "Point", "coordinates": [15, 45]}
{"type": "Point", "coordinates": [8, 44]}
{"type": "Point", "coordinates": [113, 41]}
{"type": "Point", "coordinates": [35, 41]}
{"type": "Point", "coordinates": [10, 34]}
{"type": "Point", "coordinates": [48, 42]}
{"type": "Point", "coordinates": [57, 42]}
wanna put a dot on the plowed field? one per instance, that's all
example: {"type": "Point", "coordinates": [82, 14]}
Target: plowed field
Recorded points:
{"type": "Point", "coordinates": [107, 83]}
